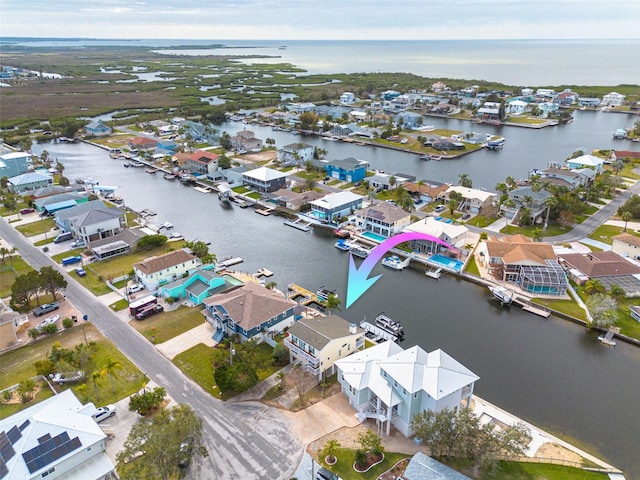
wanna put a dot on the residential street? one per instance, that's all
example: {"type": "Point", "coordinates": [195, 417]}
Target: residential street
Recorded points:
{"type": "Point", "coordinates": [245, 441]}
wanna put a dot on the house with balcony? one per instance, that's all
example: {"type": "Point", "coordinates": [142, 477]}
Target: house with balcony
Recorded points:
{"type": "Point", "coordinates": [200, 284]}
{"type": "Point", "coordinates": [473, 200]}
{"type": "Point", "coordinates": [426, 191]}
{"type": "Point", "coordinates": [55, 438]}
{"type": "Point", "coordinates": [142, 143]}
{"type": "Point", "coordinates": [452, 233]}
{"type": "Point", "coordinates": [489, 111]}
{"type": "Point", "coordinates": [517, 106]}
{"type": "Point", "coordinates": [264, 179]}
{"type": "Point", "coordinates": [383, 218]}
{"type": "Point", "coordinates": [13, 164]}
{"type": "Point", "coordinates": [613, 99]}
{"type": "Point", "coordinates": [589, 102]}
{"type": "Point", "coordinates": [522, 263]}
{"type": "Point", "coordinates": [626, 245]}
{"type": "Point", "coordinates": [246, 140]}
{"type": "Point", "coordinates": [410, 120]}
{"type": "Point", "coordinates": [29, 181]}
{"type": "Point", "coordinates": [63, 216]}
{"type": "Point", "coordinates": [586, 161]}
{"type": "Point", "coordinates": [607, 267]}
{"type": "Point", "coordinates": [160, 270]}
{"type": "Point", "coordinates": [97, 224]}
{"type": "Point", "coordinates": [347, 169]}
{"type": "Point", "coordinates": [202, 162]}
{"type": "Point", "coordinates": [391, 385]}
{"type": "Point", "coordinates": [97, 129]}
{"type": "Point", "coordinates": [295, 154]}
{"type": "Point", "coordinates": [347, 98]}
{"type": "Point", "coordinates": [318, 342]}
{"type": "Point", "coordinates": [333, 207]}
{"type": "Point", "coordinates": [249, 311]}
{"type": "Point", "coordinates": [525, 197]}
{"type": "Point", "coordinates": [294, 200]}
{"type": "Point", "coordinates": [563, 178]}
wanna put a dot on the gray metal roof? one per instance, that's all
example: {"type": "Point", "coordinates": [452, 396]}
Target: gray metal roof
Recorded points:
{"type": "Point", "coordinates": [319, 331]}
{"type": "Point", "coordinates": [422, 467]}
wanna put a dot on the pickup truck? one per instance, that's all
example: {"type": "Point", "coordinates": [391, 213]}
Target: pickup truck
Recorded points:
{"type": "Point", "coordinates": [62, 378]}
{"type": "Point", "coordinates": [45, 308]}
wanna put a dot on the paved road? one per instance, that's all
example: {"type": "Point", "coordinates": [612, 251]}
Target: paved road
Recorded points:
{"type": "Point", "coordinates": [245, 441]}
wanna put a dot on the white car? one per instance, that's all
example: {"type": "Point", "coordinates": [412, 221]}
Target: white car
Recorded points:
{"type": "Point", "coordinates": [137, 287]}
{"type": "Point", "coordinates": [104, 412]}
{"type": "Point", "coordinates": [440, 208]}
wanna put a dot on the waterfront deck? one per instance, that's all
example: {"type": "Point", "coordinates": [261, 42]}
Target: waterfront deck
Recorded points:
{"type": "Point", "coordinates": [299, 224]}
{"type": "Point", "coordinates": [527, 306]}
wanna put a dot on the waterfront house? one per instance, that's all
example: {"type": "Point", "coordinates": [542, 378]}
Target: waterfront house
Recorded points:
{"type": "Point", "coordinates": [295, 154]}
{"type": "Point", "coordinates": [13, 164]}
{"type": "Point", "coordinates": [29, 181]}
{"type": "Point", "coordinates": [54, 203]}
{"type": "Point", "coordinates": [391, 385]}
{"type": "Point", "coordinates": [530, 266]}
{"type": "Point", "coordinates": [591, 102]}
{"type": "Point", "coordinates": [383, 219]}
{"type": "Point", "coordinates": [202, 162]}
{"type": "Point", "coordinates": [389, 94]}
{"type": "Point", "coordinates": [347, 98]}
{"type": "Point", "coordinates": [547, 108]}
{"type": "Point", "coordinates": [55, 438]}
{"type": "Point", "coordinates": [245, 140]}
{"type": "Point", "coordinates": [233, 176]}
{"type": "Point", "coordinates": [626, 245]}
{"type": "Point", "coordinates": [426, 190]}
{"type": "Point", "coordinates": [624, 155]}
{"type": "Point", "coordinates": [249, 311]}
{"type": "Point", "coordinates": [566, 97]}
{"type": "Point", "coordinates": [607, 267]}
{"type": "Point", "coordinates": [517, 106]}
{"type": "Point", "coordinates": [453, 234]}
{"type": "Point", "coordinates": [166, 147]}
{"type": "Point", "coordinates": [473, 200]}
{"type": "Point", "coordinates": [50, 190]}
{"type": "Point", "coordinates": [489, 111]}
{"type": "Point", "coordinates": [387, 181]}
{"type": "Point", "coordinates": [294, 200]}
{"type": "Point", "coordinates": [525, 197]}
{"type": "Point", "coordinates": [200, 133]}
{"type": "Point", "coordinates": [318, 342]}
{"type": "Point", "coordinates": [410, 120]}
{"type": "Point", "coordinates": [121, 243]}
{"type": "Point", "coordinates": [264, 179]}
{"type": "Point", "coordinates": [197, 286]}
{"type": "Point", "coordinates": [613, 99]}
{"type": "Point", "coordinates": [96, 224]}
{"type": "Point", "coordinates": [586, 161]}
{"type": "Point", "coordinates": [562, 177]}
{"type": "Point", "coordinates": [159, 270]}
{"type": "Point", "coordinates": [300, 107]}
{"type": "Point", "coordinates": [347, 169]}
{"type": "Point", "coordinates": [335, 206]}
{"type": "Point", "coordinates": [343, 130]}
{"type": "Point", "coordinates": [142, 143]}
{"type": "Point", "coordinates": [446, 144]}
{"type": "Point", "coordinates": [75, 208]}
{"type": "Point", "coordinates": [97, 129]}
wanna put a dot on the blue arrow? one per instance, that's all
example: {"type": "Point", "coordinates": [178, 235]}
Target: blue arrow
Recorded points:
{"type": "Point", "coordinates": [359, 282]}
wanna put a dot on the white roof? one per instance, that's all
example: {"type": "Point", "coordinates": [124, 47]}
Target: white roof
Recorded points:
{"type": "Point", "coordinates": [8, 156]}
{"type": "Point", "coordinates": [336, 200]}
{"type": "Point", "coordinates": [356, 368]}
{"type": "Point", "coordinates": [55, 416]}
{"type": "Point", "coordinates": [27, 178]}
{"type": "Point", "coordinates": [589, 160]}
{"type": "Point", "coordinates": [265, 174]}
{"type": "Point", "coordinates": [482, 195]}
{"type": "Point", "coordinates": [436, 228]}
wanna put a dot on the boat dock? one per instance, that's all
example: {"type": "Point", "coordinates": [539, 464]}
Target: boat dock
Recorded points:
{"type": "Point", "coordinates": [300, 224]}
{"type": "Point", "coordinates": [228, 262]}
{"type": "Point", "coordinates": [202, 189]}
{"type": "Point", "coordinates": [527, 306]}
{"type": "Point", "coordinates": [264, 211]}
{"type": "Point", "coordinates": [263, 272]}
{"type": "Point", "coordinates": [376, 334]}
{"type": "Point", "coordinates": [434, 273]}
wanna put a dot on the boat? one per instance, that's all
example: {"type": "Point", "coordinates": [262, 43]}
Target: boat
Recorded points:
{"type": "Point", "coordinates": [323, 293]}
{"type": "Point", "coordinates": [300, 224]}
{"type": "Point", "coordinates": [607, 338]}
{"type": "Point", "coordinates": [395, 262]}
{"type": "Point", "coordinates": [501, 294]}
{"type": "Point", "coordinates": [167, 225]}
{"type": "Point", "coordinates": [169, 176]}
{"type": "Point", "coordinates": [376, 334]}
{"type": "Point", "coordinates": [425, 157]}
{"type": "Point", "coordinates": [151, 170]}
{"type": "Point", "coordinates": [389, 326]}
{"type": "Point", "coordinates": [342, 245]}
{"type": "Point", "coordinates": [436, 273]}
{"type": "Point", "coordinates": [360, 250]}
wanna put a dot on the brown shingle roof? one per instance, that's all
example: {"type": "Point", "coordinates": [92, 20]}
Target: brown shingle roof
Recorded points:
{"type": "Point", "coordinates": [384, 212]}
{"type": "Point", "coordinates": [628, 239]}
{"type": "Point", "coordinates": [600, 264]}
{"type": "Point", "coordinates": [426, 189]}
{"type": "Point", "coordinates": [157, 264]}
{"type": "Point", "coordinates": [251, 305]}
{"type": "Point", "coordinates": [520, 250]}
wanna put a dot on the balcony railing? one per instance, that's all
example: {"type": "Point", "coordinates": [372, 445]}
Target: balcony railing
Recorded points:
{"type": "Point", "coordinates": [313, 361]}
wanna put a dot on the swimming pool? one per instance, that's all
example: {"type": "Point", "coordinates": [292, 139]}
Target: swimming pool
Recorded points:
{"type": "Point", "coordinates": [374, 236]}
{"type": "Point", "coordinates": [447, 262]}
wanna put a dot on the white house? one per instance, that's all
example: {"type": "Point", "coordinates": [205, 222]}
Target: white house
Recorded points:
{"type": "Point", "coordinates": [626, 245]}
{"type": "Point", "coordinates": [56, 438]}
{"type": "Point", "coordinates": [347, 98]}
{"type": "Point", "coordinates": [383, 219]}
{"type": "Point", "coordinates": [392, 385]}
{"type": "Point", "coordinates": [295, 154]}
{"type": "Point", "coordinates": [451, 233]}
{"type": "Point", "coordinates": [97, 224]}
{"type": "Point", "coordinates": [517, 106]}
{"type": "Point", "coordinates": [318, 342]}
{"type": "Point", "coordinates": [335, 206]}
{"type": "Point", "coordinates": [586, 161]}
{"type": "Point", "coordinates": [473, 200]}
{"type": "Point", "coordinates": [156, 271]}
{"type": "Point", "coordinates": [613, 99]}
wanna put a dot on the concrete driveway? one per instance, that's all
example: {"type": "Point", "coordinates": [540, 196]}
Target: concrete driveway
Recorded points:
{"type": "Point", "coordinates": [200, 334]}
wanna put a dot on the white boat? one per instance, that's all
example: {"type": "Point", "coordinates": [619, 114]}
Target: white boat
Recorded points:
{"type": "Point", "coordinates": [167, 225]}
{"type": "Point", "coordinates": [607, 338]}
{"type": "Point", "coordinates": [360, 250]}
{"type": "Point", "coordinates": [437, 273]}
{"type": "Point", "coordinates": [390, 326]}
{"type": "Point", "coordinates": [501, 294]}
{"type": "Point", "coordinates": [395, 262]}
{"type": "Point", "coordinates": [323, 293]}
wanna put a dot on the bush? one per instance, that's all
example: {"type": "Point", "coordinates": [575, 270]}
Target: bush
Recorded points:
{"type": "Point", "coordinates": [143, 403]}
{"type": "Point", "coordinates": [33, 333]}
{"type": "Point", "coordinates": [44, 367]}
{"type": "Point", "coordinates": [170, 300]}
{"type": "Point", "coordinates": [6, 395]}
{"type": "Point", "coordinates": [360, 457]}
{"type": "Point", "coordinates": [52, 328]}
{"type": "Point", "coordinates": [280, 355]}
{"type": "Point", "coordinates": [67, 323]}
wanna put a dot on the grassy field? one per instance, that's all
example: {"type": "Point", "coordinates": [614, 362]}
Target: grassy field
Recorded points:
{"type": "Point", "coordinates": [10, 268]}
{"type": "Point", "coordinates": [605, 233]}
{"type": "Point", "coordinates": [527, 471]}
{"type": "Point", "coordinates": [17, 365]}
{"type": "Point", "coordinates": [196, 364]}
{"type": "Point", "coordinates": [8, 409]}
{"type": "Point", "coordinates": [568, 307]}
{"type": "Point", "coordinates": [472, 267]}
{"type": "Point", "coordinates": [38, 227]}
{"type": "Point", "coordinates": [166, 325]}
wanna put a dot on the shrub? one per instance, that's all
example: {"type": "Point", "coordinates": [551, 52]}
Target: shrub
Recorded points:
{"type": "Point", "coordinates": [25, 390]}
{"type": "Point", "coordinates": [144, 402]}
{"type": "Point", "coordinates": [33, 333]}
{"type": "Point", "coordinates": [360, 457]}
{"type": "Point", "coordinates": [44, 367]}
{"type": "Point", "coordinates": [170, 300]}
{"type": "Point", "coordinates": [52, 328]}
{"type": "Point", "coordinates": [6, 395]}
{"type": "Point", "coordinates": [67, 323]}
{"type": "Point", "coordinates": [281, 355]}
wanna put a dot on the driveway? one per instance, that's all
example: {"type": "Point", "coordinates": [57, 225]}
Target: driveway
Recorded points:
{"type": "Point", "coordinates": [200, 334]}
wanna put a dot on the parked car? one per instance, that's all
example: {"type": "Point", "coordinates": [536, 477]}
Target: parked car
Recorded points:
{"type": "Point", "coordinates": [440, 208]}
{"type": "Point", "coordinates": [104, 412]}
{"type": "Point", "coordinates": [77, 244]}
{"type": "Point", "coordinates": [136, 287]}
{"type": "Point", "coordinates": [324, 474]}
{"type": "Point", "coordinates": [80, 272]}
{"type": "Point", "coordinates": [48, 321]}
{"type": "Point", "coordinates": [71, 260]}
{"type": "Point", "coordinates": [141, 315]}
{"type": "Point", "coordinates": [63, 237]}
{"type": "Point", "coordinates": [62, 378]}
{"type": "Point", "coordinates": [45, 308]}
{"type": "Point", "coordinates": [24, 211]}
{"type": "Point", "coordinates": [186, 449]}
{"type": "Point", "coordinates": [466, 216]}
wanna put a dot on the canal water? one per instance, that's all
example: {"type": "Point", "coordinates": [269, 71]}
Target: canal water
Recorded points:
{"type": "Point", "coordinates": [548, 371]}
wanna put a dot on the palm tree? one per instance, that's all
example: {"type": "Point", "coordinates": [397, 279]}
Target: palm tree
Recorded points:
{"type": "Point", "coordinates": [330, 450]}
{"type": "Point", "coordinates": [464, 180]}
{"type": "Point", "coordinates": [4, 252]}
{"type": "Point", "coordinates": [94, 377]}
{"type": "Point", "coordinates": [333, 302]}
{"type": "Point", "coordinates": [110, 368]}
{"type": "Point", "coordinates": [551, 201]}
{"type": "Point", "coordinates": [625, 216]}
{"type": "Point", "coordinates": [593, 286]}
{"type": "Point", "coordinates": [617, 292]}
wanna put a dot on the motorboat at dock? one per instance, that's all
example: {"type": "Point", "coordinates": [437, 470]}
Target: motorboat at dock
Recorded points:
{"type": "Point", "coordinates": [395, 262]}
{"type": "Point", "coordinates": [359, 250]}
{"type": "Point", "coordinates": [390, 326]}
{"type": "Point", "coordinates": [323, 293]}
{"type": "Point", "coordinates": [501, 294]}
{"type": "Point", "coordinates": [342, 245]}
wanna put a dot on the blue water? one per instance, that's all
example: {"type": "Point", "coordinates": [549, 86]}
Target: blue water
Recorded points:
{"type": "Point", "coordinates": [447, 262]}
{"type": "Point", "coordinates": [374, 236]}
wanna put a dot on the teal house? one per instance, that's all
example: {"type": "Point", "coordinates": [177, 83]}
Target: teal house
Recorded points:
{"type": "Point", "coordinates": [196, 287]}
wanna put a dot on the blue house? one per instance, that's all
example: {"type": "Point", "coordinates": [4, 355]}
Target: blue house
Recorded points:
{"type": "Point", "coordinates": [410, 120]}
{"type": "Point", "coordinates": [97, 129]}
{"type": "Point", "coordinates": [167, 147]}
{"type": "Point", "coordinates": [249, 311]}
{"type": "Point", "coordinates": [348, 170]}
{"type": "Point", "coordinates": [201, 284]}
{"type": "Point", "coordinates": [13, 164]}
{"type": "Point", "coordinates": [29, 181]}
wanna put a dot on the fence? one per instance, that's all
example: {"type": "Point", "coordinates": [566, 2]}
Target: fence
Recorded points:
{"type": "Point", "coordinates": [558, 461]}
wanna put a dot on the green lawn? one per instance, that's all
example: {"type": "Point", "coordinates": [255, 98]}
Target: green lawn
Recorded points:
{"type": "Point", "coordinates": [605, 233]}
{"type": "Point", "coordinates": [527, 120]}
{"type": "Point", "coordinates": [481, 221]}
{"type": "Point", "coordinates": [8, 409]}
{"type": "Point", "coordinates": [17, 365]}
{"type": "Point", "coordinates": [472, 267]}
{"type": "Point", "coordinates": [166, 325]}
{"type": "Point", "coordinates": [344, 465]}
{"type": "Point", "coordinates": [527, 471]}
{"type": "Point", "coordinates": [568, 307]}
{"type": "Point", "coordinates": [553, 230]}
{"type": "Point", "coordinates": [10, 268]}
{"type": "Point", "coordinates": [119, 305]}
{"type": "Point", "coordinates": [196, 364]}
{"type": "Point", "coordinates": [38, 227]}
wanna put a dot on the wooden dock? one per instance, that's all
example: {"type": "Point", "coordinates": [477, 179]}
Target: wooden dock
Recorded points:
{"type": "Point", "coordinates": [264, 211]}
{"type": "Point", "coordinates": [527, 306]}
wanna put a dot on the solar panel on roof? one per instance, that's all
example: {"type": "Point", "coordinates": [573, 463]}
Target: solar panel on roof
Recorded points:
{"type": "Point", "coordinates": [3, 439]}
{"type": "Point", "coordinates": [14, 434]}
{"type": "Point", "coordinates": [24, 425]}
{"type": "Point", "coordinates": [50, 450]}
{"type": "Point", "coordinates": [6, 452]}
{"type": "Point", "coordinates": [44, 438]}
{"type": "Point", "coordinates": [3, 469]}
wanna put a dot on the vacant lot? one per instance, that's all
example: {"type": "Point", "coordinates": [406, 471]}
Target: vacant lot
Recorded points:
{"type": "Point", "coordinates": [164, 326]}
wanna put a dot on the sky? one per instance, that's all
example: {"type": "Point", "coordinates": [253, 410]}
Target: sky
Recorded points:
{"type": "Point", "coordinates": [322, 19]}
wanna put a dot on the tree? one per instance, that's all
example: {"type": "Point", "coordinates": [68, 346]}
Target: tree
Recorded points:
{"type": "Point", "coordinates": [333, 303]}
{"type": "Point", "coordinates": [111, 368]}
{"type": "Point", "coordinates": [280, 355]}
{"type": "Point", "coordinates": [371, 442]}
{"type": "Point", "coordinates": [536, 235]}
{"type": "Point", "coordinates": [454, 200]}
{"type": "Point", "coordinates": [199, 248]}
{"type": "Point", "coordinates": [309, 183]}
{"type": "Point", "coordinates": [551, 201]}
{"type": "Point", "coordinates": [149, 242]}
{"type": "Point", "coordinates": [330, 450]}
{"type": "Point", "coordinates": [308, 120]}
{"type": "Point", "coordinates": [147, 401]}
{"type": "Point", "coordinates": [593, 286]}
{"type": "Point", "coordinates": [301, 381]}
{"type": "Point", "coordinates": [617, 292]}
{"type": "Point", "coordinates": [52, 280]}
{"type": "Point", "coordinates": [403, 199]}
{"type": "Point", "coordinates": [626, 216]}
{"type": "Point", "coordinates": [25, 390]}
{"type": "Point", "coordinates": [464, 180]}
{"type": "Point", "coordinates": [160, 440]}
{"type": "Point", "coordinates": [603, 310]}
